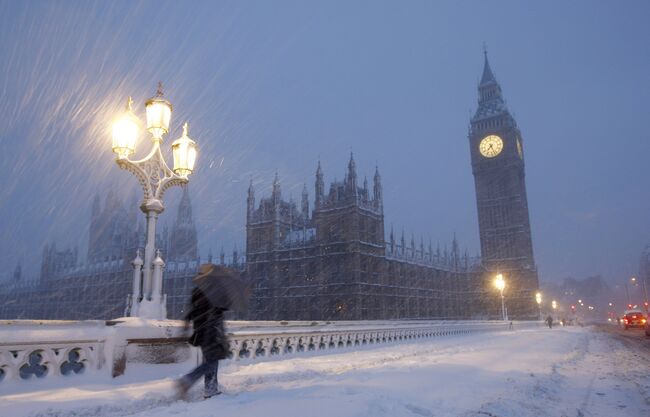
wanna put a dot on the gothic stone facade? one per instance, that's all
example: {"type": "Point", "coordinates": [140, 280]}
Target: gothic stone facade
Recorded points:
{"type": "Point", "coordinates": [98, 289]}
{"type": "Point", "coordinates": [496, 148]}
{"type": "Point", "coordinates": [333, 263]}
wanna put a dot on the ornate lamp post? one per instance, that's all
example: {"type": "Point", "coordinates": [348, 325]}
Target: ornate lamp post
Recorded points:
{"type": "Point", "coordinates": [538, 299]}
{"type": "Point", "coordinates": [155, 177]}
{"type": "Point", "coordinates": [500, 283]}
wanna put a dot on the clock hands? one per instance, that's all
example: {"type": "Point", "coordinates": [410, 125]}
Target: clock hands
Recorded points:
{"type": "Point", "coordinates": [491, 146]}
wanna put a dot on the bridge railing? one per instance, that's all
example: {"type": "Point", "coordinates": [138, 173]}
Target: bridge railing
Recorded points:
{"type": "Point", "coordinates": [32, 350]}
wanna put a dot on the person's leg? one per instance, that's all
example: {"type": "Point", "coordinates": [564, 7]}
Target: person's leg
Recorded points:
{"type": "Point", "coordinates": [211, 384]}
{"type": "Point", "coordinates": [211, 381]}
{"type": "Point", "coordinates": [197, 373]}
{"type": "Point", "coordinates": [184, 383]}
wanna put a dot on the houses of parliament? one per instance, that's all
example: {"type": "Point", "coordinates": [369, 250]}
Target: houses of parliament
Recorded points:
{"type": "Point", "coordinates": [330, 261]}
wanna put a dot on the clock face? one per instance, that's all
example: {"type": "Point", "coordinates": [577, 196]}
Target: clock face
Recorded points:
{"type": "Point", "coordinates": [491, 146]}
{"type": "Point", "coordinates": [519, 150]}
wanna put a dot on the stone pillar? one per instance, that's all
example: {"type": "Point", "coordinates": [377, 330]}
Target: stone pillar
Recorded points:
{"type": "Point", "coordinates": [137, 284]}
{"type": "Point", "coordinates": [156, 291]}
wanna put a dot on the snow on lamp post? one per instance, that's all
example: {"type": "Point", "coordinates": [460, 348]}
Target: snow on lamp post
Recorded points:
{"type": "Point", "coordinates": [155, 177]}
{"type": "Point", "coordinates": [500, 283]}
{"type": "Point", "coordinates": [538, 299]}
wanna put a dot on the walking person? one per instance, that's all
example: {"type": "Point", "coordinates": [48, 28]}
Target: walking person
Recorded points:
{"type": "Point", "coordinates": [549, 321]}
{"type": "Point", "coordinates": [216, 292]}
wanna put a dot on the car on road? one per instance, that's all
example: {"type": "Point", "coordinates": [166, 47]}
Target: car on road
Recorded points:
{"type": "Point", "coordinates": [634, 318]}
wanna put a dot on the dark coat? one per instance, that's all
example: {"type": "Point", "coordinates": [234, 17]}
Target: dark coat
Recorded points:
{"type": "Point", "coordinates": [209, 332]}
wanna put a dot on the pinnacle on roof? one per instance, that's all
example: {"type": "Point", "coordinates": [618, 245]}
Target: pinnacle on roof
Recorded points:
{"type": "Point", "coordinates": [488, 76]}
{"type": "Point", "coordinates": [352, 167]}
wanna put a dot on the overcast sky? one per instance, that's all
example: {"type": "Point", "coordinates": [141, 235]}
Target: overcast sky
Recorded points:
{"type": "Point", "coordinates": [274, 86]}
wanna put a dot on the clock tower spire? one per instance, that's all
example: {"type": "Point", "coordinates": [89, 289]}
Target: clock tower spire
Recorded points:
{"type": "Point", "coordinates": [496, 149]}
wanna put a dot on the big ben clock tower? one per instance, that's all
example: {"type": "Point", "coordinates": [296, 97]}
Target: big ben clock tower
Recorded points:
{"type": "Point", "coordinates": [497, 153]}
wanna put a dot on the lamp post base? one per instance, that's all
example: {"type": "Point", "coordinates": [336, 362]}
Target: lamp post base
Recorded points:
{"type": "Point", "coordinates": [151, 309]}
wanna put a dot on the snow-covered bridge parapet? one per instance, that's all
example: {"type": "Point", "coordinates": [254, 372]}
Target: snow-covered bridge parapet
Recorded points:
{"type": "Point", "coordinates": [36, 349]}
{"type": "Point", "coordinates": [32, 349]}
{"type": "Point", "coordinates": [249, 340]}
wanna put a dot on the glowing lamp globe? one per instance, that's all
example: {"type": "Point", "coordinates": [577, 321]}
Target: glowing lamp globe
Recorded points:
{"type": "Point", "coordinates": [184, 151]}
{"type": "Point", "coordinates": [125, 132]}
{"type": "Point", "coordinates": [499, 282]}
{"type": "Point", "coordinates": [538, 298]}
{"type": "Point", "coordinates": [159, 112]}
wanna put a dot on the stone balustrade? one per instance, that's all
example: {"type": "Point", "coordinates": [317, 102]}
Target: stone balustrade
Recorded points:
{"type": "Point", "coordinates": [266, 342]}
{"type": "Point", "coordinates": [34, 350]}
{"type": "Point", "coordinates": [41, 359]}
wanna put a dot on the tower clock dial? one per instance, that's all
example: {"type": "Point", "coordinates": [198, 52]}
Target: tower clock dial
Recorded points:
{"type": "Point", "coordinates": [491, 146]}
{"type": "Point", "coordinates": [519, 150]}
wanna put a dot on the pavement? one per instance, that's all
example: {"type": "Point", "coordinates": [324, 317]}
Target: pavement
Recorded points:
{"type": "Point", "coordinates": [633, 338]}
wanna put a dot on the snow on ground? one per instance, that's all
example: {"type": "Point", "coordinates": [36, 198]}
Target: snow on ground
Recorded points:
{"type": "Point", "coordinates": [541, 372]}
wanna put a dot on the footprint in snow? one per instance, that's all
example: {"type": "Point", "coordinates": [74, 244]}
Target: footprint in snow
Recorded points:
{"type": "Point", "coordinates": [418, 410]}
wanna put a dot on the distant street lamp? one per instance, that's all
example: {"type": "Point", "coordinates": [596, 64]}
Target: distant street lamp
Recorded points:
{"type": "Point", "coordinates": [500, 283]}
{"type": "Point", "coordinates": [554, 304]}
{"type": "Point", "coordinates": [538, 299]}
{"type": "Point", "coordinates": [645, 291]}
{"type": "Point", "coordinates": [155, 177]}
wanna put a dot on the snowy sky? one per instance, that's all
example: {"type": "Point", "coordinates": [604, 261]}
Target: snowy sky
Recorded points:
{"type": "Point", "coordinates": [272, 86]}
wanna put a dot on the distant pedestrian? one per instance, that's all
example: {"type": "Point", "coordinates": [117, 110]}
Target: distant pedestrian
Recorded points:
{"type": "Point", "coordinates": [209, 334]}
{"type": "Point", "coordinates": [549, 321]}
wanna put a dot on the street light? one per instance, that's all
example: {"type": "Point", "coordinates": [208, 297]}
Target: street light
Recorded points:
{"type": "Point", "coordinates": [125, 132]}
{"type": "Point", "coordinates": [645, 292]}
{"type": "Point", "coordinates": [554, 304]}
{"type": "Point", "coordinates": [500, 283]}
{"type": "Point", "coordinates": [538, 299]}
{"type": "Point", "coordinates": [155, 177]}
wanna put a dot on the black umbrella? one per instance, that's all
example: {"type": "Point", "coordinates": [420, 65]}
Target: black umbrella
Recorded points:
{"type": "Point", "coordinates": [222, 286]}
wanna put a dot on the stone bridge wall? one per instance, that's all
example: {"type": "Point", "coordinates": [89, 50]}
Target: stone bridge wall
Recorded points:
{"type": "Point", "coordinates": [32, 350]}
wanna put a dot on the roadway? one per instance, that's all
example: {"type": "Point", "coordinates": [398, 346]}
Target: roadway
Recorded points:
{"type": "Point", "coordinates": [633, 338]}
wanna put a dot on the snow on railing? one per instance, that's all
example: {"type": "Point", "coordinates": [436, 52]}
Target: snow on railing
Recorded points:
{"type": "Point", "coordinates": [32, 350]}
{"type": "Point", "coordinates": [260, 343]}
{"type": "Point", "coordinates": [36, 349]}
{"type": "Point", "coordinates": [37, 360]}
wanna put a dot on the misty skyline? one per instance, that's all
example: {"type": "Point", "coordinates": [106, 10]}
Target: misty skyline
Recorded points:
{"type": "Point", "coordinates": [276, 87]}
